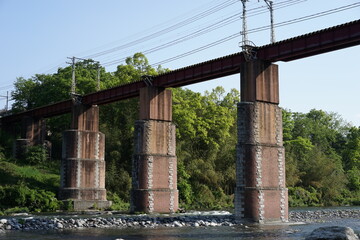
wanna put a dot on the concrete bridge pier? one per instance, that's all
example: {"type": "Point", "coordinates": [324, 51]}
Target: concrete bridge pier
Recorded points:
{"type": "Point", "coordinates": [33, 132]}
{"type": "Point", "coordinates": [154, 170]}
{"type": "Point", "coordinates": [260, 194]}
{"type": "Point", "coordinates": [83, 164]}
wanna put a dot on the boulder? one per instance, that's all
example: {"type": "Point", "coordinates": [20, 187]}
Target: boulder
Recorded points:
{"type": "Point", "coordinates": [332, 233]}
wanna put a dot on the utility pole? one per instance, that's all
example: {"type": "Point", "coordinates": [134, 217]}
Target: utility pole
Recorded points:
{"type": "Point", "coordinates": [98, 77]}
{"type": "Point", "coordinates": [73, 80]}
{"type": "Point", "coordinates": [244, 25]}
{"type": "Point", "coordinates": [246, 45]}
{"type": "Point", "coordinates": [269, 4]}
{"type": "Point", "coordinates": [7, 100]}
{"type": "Point", "coordinates": [73, 83]}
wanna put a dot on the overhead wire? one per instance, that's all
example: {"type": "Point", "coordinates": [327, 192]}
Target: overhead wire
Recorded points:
{"type": "Point", "coordinates": [285, 23]}
{"type": "Point", "coordinates": [6, 87]}
{"type": "Point", "coordinates": [165, 30]}
{"type": "Point", "coordinates": [308, 17]}
{"type": "Point", "coordinates": [208, 28]}
{"type": "Point", "coordinates": [168, 29]}
{"type": "Point", "coordinates": [198, 49]}
{"type": "Point", "coordinates": [149, 30]}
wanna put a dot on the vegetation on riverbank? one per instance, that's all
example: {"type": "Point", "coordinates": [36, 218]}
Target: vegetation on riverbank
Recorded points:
{"type": "Point", "coordinates": [322, 150]}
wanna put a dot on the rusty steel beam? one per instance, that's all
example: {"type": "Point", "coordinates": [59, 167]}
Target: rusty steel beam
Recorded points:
{"type": "Point", "coordinates": [201, 72]}
{"type": "Point", "coordinates": [114, 94]}
{"type": "Point", "coordinates": [47, 111]}
{"type": "Point", "coordinates": [322, 41]}
{"type": "Point", "coordinates": [326, 40]}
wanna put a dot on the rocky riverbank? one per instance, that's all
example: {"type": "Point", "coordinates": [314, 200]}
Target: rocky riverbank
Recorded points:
{"type": "Point", "coordinates": [322, 215]}
{"type": "Point", "coordinates": [133, 221]}
{"type": "Point", "coordinates": [195, 219]}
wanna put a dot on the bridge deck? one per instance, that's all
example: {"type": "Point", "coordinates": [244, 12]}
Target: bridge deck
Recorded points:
{"type": "Point", "coordinates": [326, 40]}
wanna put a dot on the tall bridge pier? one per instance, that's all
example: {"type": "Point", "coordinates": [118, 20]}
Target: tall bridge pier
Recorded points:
{"type": "Point", "coordinates": [260, 193]}
{"type": "Point", "coordinates": [83, 164]}
{"type": "Point", "coordinates": [154, 166]}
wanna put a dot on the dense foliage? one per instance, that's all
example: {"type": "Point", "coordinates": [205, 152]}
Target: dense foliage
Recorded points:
{"type": "Point", "coordinates": [29, 188]}
{"type": "Point", "coordinates": [322, 151]}
{"type": "Point", "coordinates": [322, 157]}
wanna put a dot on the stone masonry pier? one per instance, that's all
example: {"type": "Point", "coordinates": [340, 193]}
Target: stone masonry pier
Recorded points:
{"type": "Point", "coordinates": [154, 170]}
{"type": "Point", "coordinates": [260, 193]}
{"type": "Point", "coordinates": [83, 163]}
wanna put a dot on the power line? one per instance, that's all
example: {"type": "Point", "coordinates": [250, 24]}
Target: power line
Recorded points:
{"type": "Point", "coordinates": [285, 23]}
{"type": "Point", "coordinates": [182, 23]}
{"type": "Point", "coordinates": [211, 10]}
{"type": "Point", "coordinates": [6, 87]}
{"type": "Point", "coordinates": [209, 28]}
{"type": "Point", "coordinates": [308, 17]}
{"type": "Point", "coordinates": [184, 38]}
{"type": "Point", "coordinates": [206, 29]}
{"type": "Point", "coordinates": [212, 27]}
{"type": "Point", "coordinates": [198, 49]}
{"type": "Point", "coordinates": [168, 29]}
{"type": "Point", "coordinates": [149, 30]}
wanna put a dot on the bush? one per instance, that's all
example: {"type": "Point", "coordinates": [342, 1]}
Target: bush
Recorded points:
{"type": "Point", "coordinates": [36, 155]}
{"type": "Point", "coordinates": [184, 186]}
{"type": "Point", "coordinates": [22, 196]}
{"type": "Point", "coordinates": [67, 205]}
{"type": "Point", "coordinates": [16, 210]}
{"type": "Point", "coordinates": [117, 203]}
{"type": "Point", "coordinates": [300, 197]}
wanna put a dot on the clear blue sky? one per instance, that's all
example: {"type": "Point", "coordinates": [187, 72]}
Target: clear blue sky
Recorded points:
{"type": "Point", "coordinates": [37, 36]}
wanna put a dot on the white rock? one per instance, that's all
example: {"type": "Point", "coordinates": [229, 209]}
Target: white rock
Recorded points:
{"type": "Point", "coordinates": [3, 221]}
{"type": "Point", "coordinates": [79, 223]}
{"type": "Point", "coordinates": [59, 225]}
{"type": "Point", "coordinates": [177, 224]}
{"type": "Point", "coordinates": [213, 224]}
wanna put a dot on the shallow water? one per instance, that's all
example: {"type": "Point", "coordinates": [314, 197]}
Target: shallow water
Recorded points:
{"type": "Point", "coordinates": [254, 231]}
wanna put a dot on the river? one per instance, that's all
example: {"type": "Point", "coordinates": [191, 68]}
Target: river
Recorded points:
{"type": "Point", "coordinates": [249, 231]}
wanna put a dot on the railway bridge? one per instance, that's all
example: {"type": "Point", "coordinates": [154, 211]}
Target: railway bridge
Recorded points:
{"type": "Point", "coordinates": [260, 194]}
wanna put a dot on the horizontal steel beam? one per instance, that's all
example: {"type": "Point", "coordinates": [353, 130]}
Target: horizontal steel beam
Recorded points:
{"type": "Point", "coordinates": [201, 72]}
{"type": "Point", "coordinates": [326, 40]}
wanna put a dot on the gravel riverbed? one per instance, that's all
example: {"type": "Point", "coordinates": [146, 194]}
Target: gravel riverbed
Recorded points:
{"type": "Point", "coordinates": [194, 219]}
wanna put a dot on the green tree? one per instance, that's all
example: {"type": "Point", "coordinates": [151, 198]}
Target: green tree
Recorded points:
{"type": "Point", "coordinates": [206, 140]}
{"type": "Point", "coordinates": [351, 152]}
{"type": "Point", "coordinates": [314, 143]}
